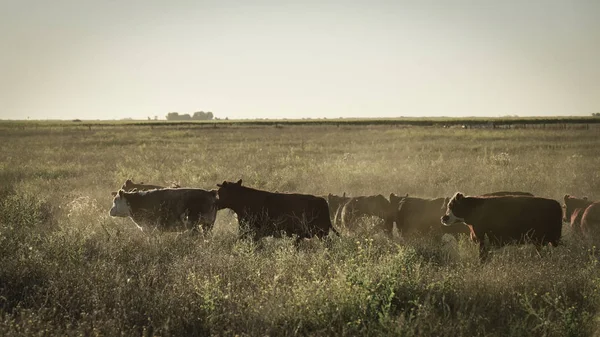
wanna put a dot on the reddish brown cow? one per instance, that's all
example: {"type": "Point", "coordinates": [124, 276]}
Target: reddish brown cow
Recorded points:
{"type": "Point", "coordinates": [263, 213]}
{"type": "Point", "coordinates": [590, 221]}
{"type": "Point", "coordinates": [505, 220]}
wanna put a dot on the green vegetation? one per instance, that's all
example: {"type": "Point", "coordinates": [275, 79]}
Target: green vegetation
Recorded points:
{"type": "Point", "coordinates": [67, 268]}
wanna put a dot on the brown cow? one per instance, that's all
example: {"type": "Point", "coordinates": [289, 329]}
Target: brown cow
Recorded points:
{"type": "Point", "coordinates": [263, 213]}
{"type": "Point", "coordinates": [374, 205]}
{"type": "Point", "coordinates": [130, 186]}
{"type": "Point", "coordinates": [573, 212]}
{"type": "Point", "coordinates": [590, 221]}
{"type": "Point", "coordinates": [168, 209]}
{"type": "Point", "coordinates": [505, 220]}
{"type": "Point", "coordinates": [418, 216]}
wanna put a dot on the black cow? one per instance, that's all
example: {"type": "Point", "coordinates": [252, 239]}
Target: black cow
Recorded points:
{"type": "Point", "coordinates": [264, 213]}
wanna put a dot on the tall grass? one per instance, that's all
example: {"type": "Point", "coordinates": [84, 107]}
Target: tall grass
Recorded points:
{"type": "Point", "coordinates": [67, 268]}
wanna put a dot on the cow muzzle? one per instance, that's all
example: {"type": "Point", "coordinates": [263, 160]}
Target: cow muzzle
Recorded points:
{"type": "Point", "coordinates": [450, 219]}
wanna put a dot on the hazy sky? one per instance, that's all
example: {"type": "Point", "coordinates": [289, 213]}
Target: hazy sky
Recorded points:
{"type": "Point", "coordinates": [105, 59]}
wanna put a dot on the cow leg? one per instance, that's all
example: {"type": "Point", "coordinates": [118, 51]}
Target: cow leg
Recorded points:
{"type": "Point", "coordinates": [483, 251]}
{"type": "Point", "coordinates": [192, 222]}
{"type": "Point", "coordinates": [388, 227]}
{"type": "Point", "coordinates": [206, 223]}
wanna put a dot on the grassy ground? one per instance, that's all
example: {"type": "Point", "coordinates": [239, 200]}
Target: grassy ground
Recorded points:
{"type": "Point", "coordinates": [67, 268]}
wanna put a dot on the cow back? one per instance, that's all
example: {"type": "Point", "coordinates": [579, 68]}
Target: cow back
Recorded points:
{"type": "Point", "coordinates": [267, 213]}
{"type": "Point", "coordinates": [514, 218]}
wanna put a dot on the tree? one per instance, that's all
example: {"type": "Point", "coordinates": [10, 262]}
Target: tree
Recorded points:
{"type": "Point", "coordinates": [198, 115]}
{"type": "Point", "coordinates": [172, 116]}
{"type": "Point", "coordinates": [201, 115]}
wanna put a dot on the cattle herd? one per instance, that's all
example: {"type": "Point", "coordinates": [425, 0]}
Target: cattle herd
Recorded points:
{"type": "Point", "coordinates": [504, 217]}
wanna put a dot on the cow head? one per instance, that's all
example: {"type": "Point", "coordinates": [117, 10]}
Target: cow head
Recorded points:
{"type": "Point", "coordinates": [128, 183]}
{"type": "Point", "coordinates": [335, 200]}
{"type": "Point", "coordinates": [120, 205]}
{"type": "Point", "coordinates": [396, 199]}
{"type": "Point", "coordinates": [456, 211]}
{"type": "Point", "coordinates": [227, 193]}
{"type": "Point", "coordinates": [573, 203]}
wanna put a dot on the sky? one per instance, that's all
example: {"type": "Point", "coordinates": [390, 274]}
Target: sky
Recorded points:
{"type": "Point", "coordinates": [113, 59]}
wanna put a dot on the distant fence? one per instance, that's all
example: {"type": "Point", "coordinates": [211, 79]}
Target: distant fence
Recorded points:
{"type": "Point", "coordinates": [464, 123]}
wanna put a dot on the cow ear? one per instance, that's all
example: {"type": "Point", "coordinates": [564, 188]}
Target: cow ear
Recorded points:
{"type": "Point", "coordinates": [113, 193]}
{"type": "Point", "coordinates": [219, 185]}
{"type": "Point", "coordinates": [129, 181]}
{"type": "Point", "coordinates": [121, 193]}
{"type": "Point", "coordinates": [445, 204]}
{"type": "Point", "coordinates": [566, 197]}
{"type": "Point", "coordinates": [239, 182]}
{"type": "Point", "coordinates": [392, 196]}
{"type": "Point", "coordinates": [458, 196]}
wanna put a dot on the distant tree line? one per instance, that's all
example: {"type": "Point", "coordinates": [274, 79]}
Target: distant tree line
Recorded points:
{"type": "Point", "coordinates": [196, 116]}
{"type": "Point", "coordinates": [596, 114]}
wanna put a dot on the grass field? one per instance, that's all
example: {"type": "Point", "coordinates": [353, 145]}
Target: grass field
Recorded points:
{"type": "Point", "coordinates": [67, 268]}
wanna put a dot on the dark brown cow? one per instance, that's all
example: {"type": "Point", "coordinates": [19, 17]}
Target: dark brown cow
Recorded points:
{"type": "Point", "coordinates": [505, 220]}
{"type": "Point", "coordinates": [168, 209]}
{"type": "Point", "coordinates": [418, 216]}
{"type": "Point", "coordinates": [573, 212]}
{"type": "Point", "coordinates": [590, 221]}
{"type": "Point", "coordinates": [263, 213]}
{"type": "Point", "coordinates": [507, 193]}
{"type": "Point", "coordinates": [395, 200]}
{"type": "Point", "coordinates": [336, 203]}
{"type": "Point", "coordinates": [375, 205]}
{"type": "Point", "coordinates": [130, 186]}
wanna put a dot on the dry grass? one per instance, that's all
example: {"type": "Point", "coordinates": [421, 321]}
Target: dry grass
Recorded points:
{"type": "Point", "coordinates": [66, 267]}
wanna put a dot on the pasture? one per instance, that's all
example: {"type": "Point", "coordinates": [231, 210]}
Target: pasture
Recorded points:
{"type": "Point", "coordinates": [68, 268]}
